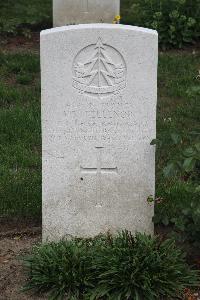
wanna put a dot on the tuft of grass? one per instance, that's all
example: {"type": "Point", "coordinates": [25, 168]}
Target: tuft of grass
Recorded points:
{"type": "Point", "coordinates": [24, 78]}
{"type": "Point", "coordinates": [58, 268]}
{"type": "Point", "coordinates": [20, 62]}
{"type": "Point", "coordinates": [178, 111]}
{"type": "Point", "coordinates": [110, 267]}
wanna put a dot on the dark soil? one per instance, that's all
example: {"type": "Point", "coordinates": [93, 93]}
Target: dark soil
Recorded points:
{"type": "Point", "coordinates": [191, 48]}
{"type": "Point", "coordinates": [32, 43]}
{"type": "Point", "coordinates": [10, 226]}
{"type": "Point", "coordinates": [21, 43]}
{"type": "Point", "coordinates": [12, 277]}
{"type": "Point", "coordinates": [17, 236]}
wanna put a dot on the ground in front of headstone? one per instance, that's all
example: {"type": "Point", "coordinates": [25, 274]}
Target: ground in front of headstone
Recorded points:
{"type": "Point", "coordinates": [16, 240]}
{"type": "Point", "coordinates": [12, 277]}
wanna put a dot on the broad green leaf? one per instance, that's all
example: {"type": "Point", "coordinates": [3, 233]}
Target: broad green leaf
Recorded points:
{"type": "Point", "coordinates": [169, 170]}
{"type": "Point", "coordinates": [176, 138]}
{"type": "Point", "coordinates": [165, 220]}
{"type": "Point", "coordinates": [185, 211]}
{"type": "Point", "coordinates": [197, 146]}
{"type": "Point", "coordinates": [195, 133]}
{"type": "Point", "coordinates": [189, 164]}
{"type": "Point", "coordinates": [197, 189]}
{"type": "Point", "coordinates": [156, 142]}
{"type": "Point", "coordinates": [156, 219]}
{"type": "Point", "coordinates": [189, 152]}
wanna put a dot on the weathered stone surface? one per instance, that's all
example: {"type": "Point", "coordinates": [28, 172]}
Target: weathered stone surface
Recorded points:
{"type": "Point", "coordinates": [66, 12]}
{"type": "Point", "coordinates": [99, 90]}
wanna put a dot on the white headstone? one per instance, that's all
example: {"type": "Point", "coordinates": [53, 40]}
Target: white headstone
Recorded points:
{"type": "Point", "coordinates": [99, 90]}
{"type": "Point", "coordinates": [66, 12]}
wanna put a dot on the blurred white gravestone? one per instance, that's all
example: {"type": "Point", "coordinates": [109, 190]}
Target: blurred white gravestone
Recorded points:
{"type": "Point", "coordinates": [99, 93]}
{"type": "Point", "coordinates": [66, 12]}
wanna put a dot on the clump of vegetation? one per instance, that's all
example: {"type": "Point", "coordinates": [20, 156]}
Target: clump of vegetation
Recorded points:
{"type": "Point", "coordinates": [178, 205]}
{"type": "Point", "coordinates": [178, 160]}
{"type": "Point", "coordinates": [186, 161]}
{"type": "Point", "coordinates": [110, 267]}
{"type": "Point", "coordinates": [177, 21]}
{"type": "Point", "coordinates": [20, 17]}
{"type": "Point", "coordinates": [179, 200]}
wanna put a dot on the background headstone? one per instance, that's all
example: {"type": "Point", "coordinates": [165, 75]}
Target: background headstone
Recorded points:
{"type": "Point", "coordinates": [99, 90]}
{"type": "Point", "coordinates": [66, 12]}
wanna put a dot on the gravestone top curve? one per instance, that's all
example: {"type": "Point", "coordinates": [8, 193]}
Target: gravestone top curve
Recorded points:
{"type": "Point", "coordinates": [99, 26]}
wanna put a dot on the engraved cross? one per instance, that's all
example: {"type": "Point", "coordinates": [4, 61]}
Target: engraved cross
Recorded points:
{"type": "Point", "coordinates": [98, 171]}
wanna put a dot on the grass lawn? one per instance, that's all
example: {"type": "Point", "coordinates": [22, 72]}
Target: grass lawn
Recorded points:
{"type": "Point", "coordinates": [20, 16]}
{"type": "Point", "coordinates": [178, 99]}
{"type": "Point", "coordinates": [178, 112]}
{"type": "Point", "coordinates": [20, 138]}
{"type": "Point", "coordinates": [20, 131]}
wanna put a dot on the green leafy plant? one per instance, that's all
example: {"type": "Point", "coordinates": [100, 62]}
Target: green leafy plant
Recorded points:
{"type": "Point", "coordinates": [179, 205]}
{"type": "Point", "coordinates": [178, 202]}
{"type": "Point", "coordinates": [59, 267]}
{"type": "Point", "coordinates": [110, 267]}
{"type": "Point", "coordinates": [187, 159]}
{"type": "Point", "coordinates": [177, 21]}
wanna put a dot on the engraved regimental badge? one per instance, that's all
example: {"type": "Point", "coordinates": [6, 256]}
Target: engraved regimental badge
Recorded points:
{"type": "Point", "coordinates": [99, 69]}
